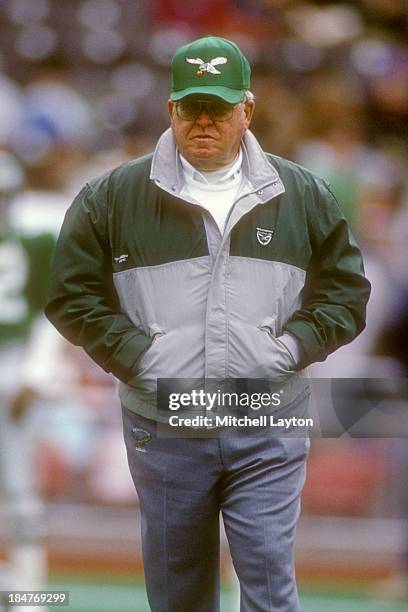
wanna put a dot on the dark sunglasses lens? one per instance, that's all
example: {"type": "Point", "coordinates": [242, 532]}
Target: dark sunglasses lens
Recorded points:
{"type": "Point", "coordinates": [219, 111]}
{"type": "Point", "coordinates": [189, 110]}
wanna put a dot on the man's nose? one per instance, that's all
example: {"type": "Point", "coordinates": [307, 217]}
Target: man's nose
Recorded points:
{"type": "Point", "coordinates": [204, 118]}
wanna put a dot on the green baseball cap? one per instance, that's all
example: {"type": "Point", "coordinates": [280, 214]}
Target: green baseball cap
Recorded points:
{"type": "Point", "coordinates": [212, 66]}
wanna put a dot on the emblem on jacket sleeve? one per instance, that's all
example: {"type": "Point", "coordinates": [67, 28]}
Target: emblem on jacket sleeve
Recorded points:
{"type": "Point", "coordinates": [264, 235]}
{"type": "Point", "coordinates": [121, 258]}
{"type": "Point", "coordinates": [207, 66]}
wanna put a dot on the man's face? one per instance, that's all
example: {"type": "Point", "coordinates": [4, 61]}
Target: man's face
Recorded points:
{"type": "Point", "coordinates": [208, 144]}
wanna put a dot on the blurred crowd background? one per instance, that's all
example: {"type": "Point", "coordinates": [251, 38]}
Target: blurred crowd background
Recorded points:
{"type": "Point", "coordinates": [83, 87]}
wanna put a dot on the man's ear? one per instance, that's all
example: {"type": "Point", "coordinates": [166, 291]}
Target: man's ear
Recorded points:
{"type": "Point", "coordinates": [249, 111]}
{"type": "Point", "coordinates": [170, 107]}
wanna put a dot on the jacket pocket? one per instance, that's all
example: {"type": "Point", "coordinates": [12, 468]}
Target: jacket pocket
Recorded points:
{"type": "Point", "coordinates": [172, 354]}
{"type": "Point", "coordinates": [155, 332]}
{"type": "Point", "coordinates": [255, 352]}
{"type": "Point", "coordinates": [142, 363]}
{"type": "Point", "coordinates": [269, 325]}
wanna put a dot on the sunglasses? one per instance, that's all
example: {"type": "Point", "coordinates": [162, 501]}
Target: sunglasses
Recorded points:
{"type": "Point", "coordinates": [189, 110]}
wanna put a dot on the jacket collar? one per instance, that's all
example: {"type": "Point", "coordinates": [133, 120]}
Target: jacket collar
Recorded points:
{"type": "Point", "coordinates": [167, 173]}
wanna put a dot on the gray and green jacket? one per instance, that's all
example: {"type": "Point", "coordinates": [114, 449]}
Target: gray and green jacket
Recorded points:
{"type": "Point", "coordinates": [147, 285]}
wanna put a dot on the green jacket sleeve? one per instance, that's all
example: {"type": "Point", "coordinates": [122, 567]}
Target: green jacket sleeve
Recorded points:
{"type": "Point", "coordinates": [336, 291]}
{"type": "Point", "coordinates": [83, 304]}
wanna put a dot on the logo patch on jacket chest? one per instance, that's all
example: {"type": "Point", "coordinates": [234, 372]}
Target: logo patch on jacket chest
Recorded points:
{"type": "Point", "coordinates": [264, 235]}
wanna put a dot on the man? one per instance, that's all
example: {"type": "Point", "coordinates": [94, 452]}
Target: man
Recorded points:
{"type": "Point", "coordinates": [210, 259]}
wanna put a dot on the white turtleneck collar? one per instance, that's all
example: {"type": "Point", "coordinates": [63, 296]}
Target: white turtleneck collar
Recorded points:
{"type": "Point", "coordinates": [221, 177]}
{"type": "Point", "coordinates": [217, 190]}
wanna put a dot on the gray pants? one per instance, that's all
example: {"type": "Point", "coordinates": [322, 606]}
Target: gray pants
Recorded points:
{"type": "Point", "coordinates": [253, 478]}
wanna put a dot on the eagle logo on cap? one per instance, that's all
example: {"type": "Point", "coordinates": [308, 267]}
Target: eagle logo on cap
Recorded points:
{"type": "Point", "coordinates": [207, 66]}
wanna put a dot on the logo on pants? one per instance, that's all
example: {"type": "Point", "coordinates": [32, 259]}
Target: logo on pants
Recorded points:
{"type": "Point", "coordinates": [141, 437]}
